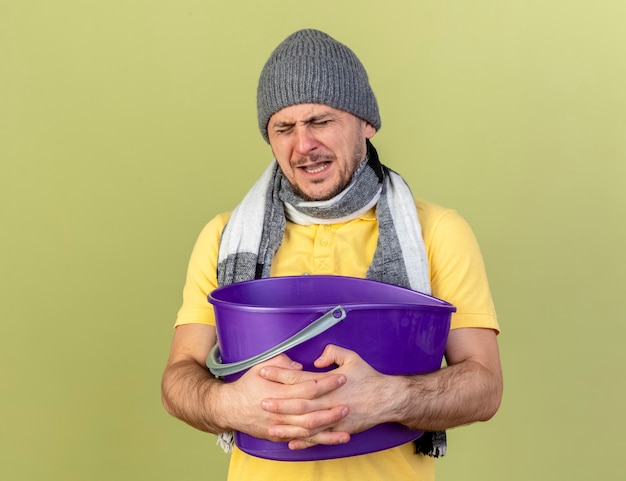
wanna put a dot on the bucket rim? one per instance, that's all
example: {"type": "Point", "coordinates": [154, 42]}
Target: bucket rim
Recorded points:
{"type": "Point", "coordinates": [351, 306]}
{"type": "Point", "coordinates": [439, 305]}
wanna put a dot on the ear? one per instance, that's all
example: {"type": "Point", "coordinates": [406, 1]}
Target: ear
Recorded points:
{"type": "Point", "coordinates": [369, 130]}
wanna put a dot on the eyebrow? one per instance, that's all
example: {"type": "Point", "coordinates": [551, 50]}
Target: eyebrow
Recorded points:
{"type": "Point", "coordinates": [309, 120]}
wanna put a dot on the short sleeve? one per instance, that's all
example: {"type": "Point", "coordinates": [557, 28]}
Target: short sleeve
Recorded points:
{"type": "Point", "coordinates": [202, 275]}
{"type": "Point", "coordinates": [457, 268]}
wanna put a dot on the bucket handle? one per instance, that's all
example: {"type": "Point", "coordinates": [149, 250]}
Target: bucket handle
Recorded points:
{"type": "Point", "coordinates": [317, 327]}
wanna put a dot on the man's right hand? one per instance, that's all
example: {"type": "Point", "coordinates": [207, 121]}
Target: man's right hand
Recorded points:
{"type": "Point", "coordinates": [191, 393]}
{"type": "Point", "coordinates": [242, 401]}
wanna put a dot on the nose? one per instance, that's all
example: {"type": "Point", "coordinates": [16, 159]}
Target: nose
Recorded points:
{"type": "Point", "coordinates": [305, 141]}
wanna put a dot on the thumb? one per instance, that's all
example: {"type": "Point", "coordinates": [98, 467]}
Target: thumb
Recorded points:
{"type": "Point", "coordinates": [333, 355]}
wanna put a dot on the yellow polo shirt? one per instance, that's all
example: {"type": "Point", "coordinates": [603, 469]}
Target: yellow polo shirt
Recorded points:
{"type": "Point", "coordinates": [457, 275]}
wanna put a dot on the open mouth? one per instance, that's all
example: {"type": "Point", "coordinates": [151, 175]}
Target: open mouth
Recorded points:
{"type": "Point", "coordinates": [315, 168]}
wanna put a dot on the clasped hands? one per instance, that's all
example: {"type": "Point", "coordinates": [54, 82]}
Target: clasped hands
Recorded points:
{"type": "Point", "coordinates": [281, 402]}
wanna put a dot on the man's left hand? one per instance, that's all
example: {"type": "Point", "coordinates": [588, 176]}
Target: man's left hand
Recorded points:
{"type": "Point", "coordinates": [361, 394]}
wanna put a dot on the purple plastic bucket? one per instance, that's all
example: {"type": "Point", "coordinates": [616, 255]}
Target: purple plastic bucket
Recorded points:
{"type": "Point", "coordinates": [396, 330]}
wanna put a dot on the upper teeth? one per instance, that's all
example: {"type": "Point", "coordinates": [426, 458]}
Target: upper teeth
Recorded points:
{"type": "Point", "coordinates": [315, 170]}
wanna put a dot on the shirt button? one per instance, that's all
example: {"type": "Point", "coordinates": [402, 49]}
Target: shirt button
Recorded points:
{"type": "Point", "coordinates": [324, 242]}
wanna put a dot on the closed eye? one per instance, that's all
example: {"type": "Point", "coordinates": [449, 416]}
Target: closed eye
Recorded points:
{"type": "Point", "coordinates": [320, 123]}
{"type": "Point", "coordinates": [281, 129]}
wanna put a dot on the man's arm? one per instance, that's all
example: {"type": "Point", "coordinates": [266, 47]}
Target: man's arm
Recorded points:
{"type": "Point", "coordinates": [191, 393]}
{"type": "Point", "coordinates": [188, 390]}
{"type": "Point", "coordinates": [469, 389]}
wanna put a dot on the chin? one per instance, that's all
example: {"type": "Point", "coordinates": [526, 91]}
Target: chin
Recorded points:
{"type": "Point", "coordinates": [317, 197]}
{"type": "Point", "coordinates": [320, 195]}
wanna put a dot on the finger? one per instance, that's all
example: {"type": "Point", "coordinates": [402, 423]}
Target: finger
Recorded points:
{"type": "Point", "coordinates": [314, 382]}
{"type": "Point", "coordinates": [325, 437]}
{"type": "Point", "coordinates": [289, 427]}
{"type": "Point", "coordinates": [282, 361]}
{"type": "Point", "coordinates": [304, 402]}
{"type": "Point", "coordinates": [295, 398]}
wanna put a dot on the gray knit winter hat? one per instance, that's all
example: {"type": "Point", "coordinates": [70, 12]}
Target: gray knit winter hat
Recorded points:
{"type": "Point", "coordinates": [309, 66]}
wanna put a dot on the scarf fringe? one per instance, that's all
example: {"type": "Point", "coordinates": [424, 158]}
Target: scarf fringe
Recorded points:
{"type": "Point", "coordinates": [432, 443]}
{"type": "Point", "coordinates": [226, 441]}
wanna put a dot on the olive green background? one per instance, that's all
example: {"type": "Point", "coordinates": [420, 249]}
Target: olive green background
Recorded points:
{"type": "Point", "coordinates": [125, 125]}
